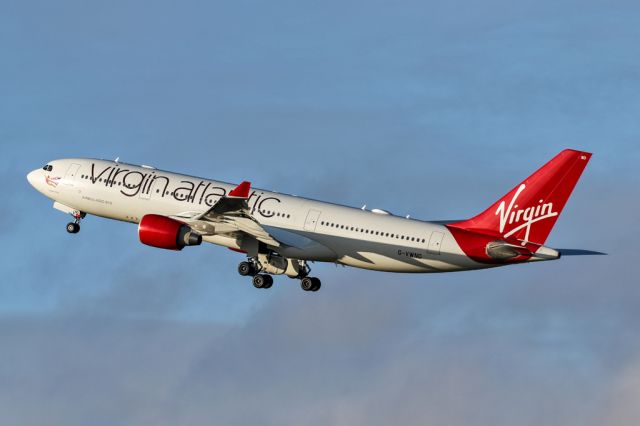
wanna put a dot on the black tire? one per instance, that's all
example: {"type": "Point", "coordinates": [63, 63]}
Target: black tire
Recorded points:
{"type": "Point", "coordinates": [306, 284]}
{"type": "Point", "coordinates": [259, 281]}
{"type": "Point", "coordinates": [73, 228]}
{"type": "Point", "coordinates": [245, 269]}
{"type": "Point", "coordinates": [268, 281]}
{"type": "Point", "coordinates": [316, 284]}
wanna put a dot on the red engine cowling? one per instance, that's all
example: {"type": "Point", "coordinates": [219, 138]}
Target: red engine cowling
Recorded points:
{"type": "Point", "coordinates": [166, 233]}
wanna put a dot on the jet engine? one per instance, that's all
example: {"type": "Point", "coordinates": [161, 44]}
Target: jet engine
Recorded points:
{"type": "Point", "coordinates": [166, 233]}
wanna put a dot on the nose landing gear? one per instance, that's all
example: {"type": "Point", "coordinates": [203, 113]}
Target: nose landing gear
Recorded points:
{"type": "Point", "coordinates": [74, 227]}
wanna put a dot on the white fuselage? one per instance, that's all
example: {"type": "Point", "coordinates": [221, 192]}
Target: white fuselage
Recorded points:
{"type": "Point", "coordinates": [332, 233]}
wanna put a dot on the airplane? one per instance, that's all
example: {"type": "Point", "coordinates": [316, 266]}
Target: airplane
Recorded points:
{"type": "Point", "coordinates": [282, 234]}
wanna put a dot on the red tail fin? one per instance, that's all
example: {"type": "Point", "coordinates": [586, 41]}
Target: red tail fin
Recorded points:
{"type": "Point", "coordinates": [529, 211]}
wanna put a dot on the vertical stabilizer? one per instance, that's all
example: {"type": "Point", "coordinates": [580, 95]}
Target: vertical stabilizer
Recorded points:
{"type": "Point", "coordinates": [529, 211]}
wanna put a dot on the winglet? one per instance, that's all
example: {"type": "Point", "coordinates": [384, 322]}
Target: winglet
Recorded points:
{"type": "Point", "coordinates": [241, 191]}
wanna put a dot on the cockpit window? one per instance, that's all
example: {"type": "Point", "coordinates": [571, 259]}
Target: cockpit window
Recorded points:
{"type": "Point", "coordinates": [48, 168]}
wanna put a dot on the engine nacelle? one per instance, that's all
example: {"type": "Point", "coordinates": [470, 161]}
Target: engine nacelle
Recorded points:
{"type": "Point", "coordinates": [166, 233]}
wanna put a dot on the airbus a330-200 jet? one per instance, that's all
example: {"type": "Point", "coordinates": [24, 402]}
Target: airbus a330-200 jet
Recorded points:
{"type": "Point", "coordinates": [282, 234]}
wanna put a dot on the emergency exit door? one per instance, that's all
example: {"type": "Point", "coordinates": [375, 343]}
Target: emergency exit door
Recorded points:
{"type": "Point", "coordinates": [312, 220]}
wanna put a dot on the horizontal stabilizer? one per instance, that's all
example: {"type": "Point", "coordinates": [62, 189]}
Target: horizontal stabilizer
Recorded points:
{"type": "Point", "coordinates": [502, 250]}
{"type": "Point", "coordinates": [580, 252]}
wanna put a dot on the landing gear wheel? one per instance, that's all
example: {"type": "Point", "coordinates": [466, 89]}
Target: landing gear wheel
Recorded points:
{"type": "Point", "coordinates": [262, 281]}
{"type": "Point", "coordinates": [245, 269]}
{"type": "Point", "coordinates": [73, 228]}
{"type": "Point", "coordinates": [316, 284]}
{"type": "Point", "coordinates": [268, 281]}
{"type": "Point", "coordinates": [310, 284]}
{"type": "Point", "coordinates": [306, 284]}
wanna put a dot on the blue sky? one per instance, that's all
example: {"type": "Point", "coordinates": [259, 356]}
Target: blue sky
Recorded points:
{"type": "Point", "coordinates": [426, 108]}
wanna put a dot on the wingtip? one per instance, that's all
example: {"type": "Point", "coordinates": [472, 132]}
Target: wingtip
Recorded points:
{"type": "Point", "coordinates": [241, 191]}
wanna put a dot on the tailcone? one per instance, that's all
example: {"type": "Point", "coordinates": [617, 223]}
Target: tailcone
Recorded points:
{"type": "Point", "coordinates": [546, 253]}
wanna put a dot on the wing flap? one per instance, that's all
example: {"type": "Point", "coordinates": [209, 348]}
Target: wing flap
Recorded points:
{"type": "Point", "coordinates": [253, 228]}
{"type": "Point", "coordinates": [231, 214]}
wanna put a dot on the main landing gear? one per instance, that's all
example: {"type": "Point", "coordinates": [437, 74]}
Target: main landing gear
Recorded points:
{"type": "Point", "coordinates": [74, 227]}
{"type": "Point", "coordinates": [262, 281]}
{"type": "Point", "coordinates": [310, 284]}
{"type": "Point", "coordinates": [248, 268]}
{"type": "Point", "coordinates": [253, 268]}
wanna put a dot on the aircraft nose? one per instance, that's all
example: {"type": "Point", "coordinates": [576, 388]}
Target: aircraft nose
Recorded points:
{"type": "Point", "coordinates": [31, 177]}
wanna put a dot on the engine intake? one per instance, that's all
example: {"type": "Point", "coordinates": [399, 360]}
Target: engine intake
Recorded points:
{"type": "Point", "coordinates": [166, 233]}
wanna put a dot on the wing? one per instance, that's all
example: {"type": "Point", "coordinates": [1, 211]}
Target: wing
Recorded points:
{"type": "Point", "coordinates": [230, 215]}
